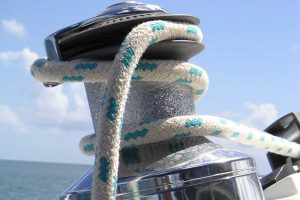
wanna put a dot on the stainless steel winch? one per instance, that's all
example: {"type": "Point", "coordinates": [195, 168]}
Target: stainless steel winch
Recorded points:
{"type": "Point", "coordinates": [217, 173]}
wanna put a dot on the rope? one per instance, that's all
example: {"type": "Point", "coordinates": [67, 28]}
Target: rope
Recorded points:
{"type": "Point", "coordinates": [111, 138]}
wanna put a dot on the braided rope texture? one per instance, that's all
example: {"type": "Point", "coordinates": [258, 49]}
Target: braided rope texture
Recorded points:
{"type": "Point", "coordinates": [110, 137]}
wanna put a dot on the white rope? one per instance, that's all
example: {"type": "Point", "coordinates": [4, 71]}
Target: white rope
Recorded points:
{"type": "Point", "coordinates": [147, 70]}
{"type": "Point", "coordinates": [108, 139]}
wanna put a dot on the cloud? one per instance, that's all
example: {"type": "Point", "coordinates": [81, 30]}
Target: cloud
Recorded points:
{"type": "Point", "coordinates": [63, 109]}
{"type": "Point", "coordinates": [258, 116]}
{"type": "Point", "coordinates": [9, 118]}
{"type": "Point", "coordinates": [261, 115]}
{"type": "Point", "coordinates": [14, 27]}
{"type": "Point", "coordinates": [24, 57]}
{"type": "Point", "coordinates": [52, 101]}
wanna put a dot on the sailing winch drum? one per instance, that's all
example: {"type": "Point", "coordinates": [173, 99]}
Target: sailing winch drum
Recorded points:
{"type": "Point", "coordinates": [191, 168]}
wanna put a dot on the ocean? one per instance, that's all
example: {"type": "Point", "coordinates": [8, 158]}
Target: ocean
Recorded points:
{"type": "Point", "coordinates": [21, 180]}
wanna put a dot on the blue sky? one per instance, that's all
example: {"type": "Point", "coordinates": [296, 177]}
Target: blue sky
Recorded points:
{"type": "Point", "coordinates": [252, 57]}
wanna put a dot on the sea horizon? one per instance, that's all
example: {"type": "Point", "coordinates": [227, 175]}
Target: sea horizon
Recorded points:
{"type": "Point", "coordinates": [46, 162]}
{"type": "Point", "coordinates": [32, 180]}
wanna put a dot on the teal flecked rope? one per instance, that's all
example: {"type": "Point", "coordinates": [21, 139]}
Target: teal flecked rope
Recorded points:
{"type": "Point", "coordinates": [125, 68]}
{"type": "Point", "coordinates": [146, 70]}
{"type": "Point", "coordinates": [118, 83]}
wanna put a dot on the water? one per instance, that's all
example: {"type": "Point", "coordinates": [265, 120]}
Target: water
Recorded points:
{"type": "Point", "coordinates": [34, 181]}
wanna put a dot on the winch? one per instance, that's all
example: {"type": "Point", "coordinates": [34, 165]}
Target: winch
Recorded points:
{"type": "Point", "coordinates": [148, 141]}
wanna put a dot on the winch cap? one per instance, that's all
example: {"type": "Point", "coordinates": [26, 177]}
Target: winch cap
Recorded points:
{"type": "Point", "coordinates": [106, 29]}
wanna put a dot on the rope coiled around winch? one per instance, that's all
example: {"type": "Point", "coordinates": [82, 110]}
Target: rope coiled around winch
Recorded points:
{"type": "Point", "coordinates": [110, 135]}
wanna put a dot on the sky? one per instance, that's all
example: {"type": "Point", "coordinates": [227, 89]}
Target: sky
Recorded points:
{"type": "Point", "coordinates": [252, 57]}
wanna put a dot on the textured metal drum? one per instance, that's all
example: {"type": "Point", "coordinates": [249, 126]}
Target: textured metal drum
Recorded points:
{"type": "Point", "coordinates": [147, 101]}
